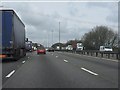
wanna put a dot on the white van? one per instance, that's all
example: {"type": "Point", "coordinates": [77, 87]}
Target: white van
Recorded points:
{"type": "Point", "coordinates": [105, 48]}
{"type": "Point", "coordinates": [69, 47]}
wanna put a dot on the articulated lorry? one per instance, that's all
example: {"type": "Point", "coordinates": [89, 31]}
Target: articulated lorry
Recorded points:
{"type": "Point", "coordinates": [13, 35]}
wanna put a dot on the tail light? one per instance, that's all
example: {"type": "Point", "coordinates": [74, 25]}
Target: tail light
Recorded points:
{"type": "Point", "coordinates": [3, 56]}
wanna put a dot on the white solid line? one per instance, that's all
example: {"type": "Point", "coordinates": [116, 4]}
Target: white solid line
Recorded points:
{"type": "Point", "coordinates": [89, 71]}
{"type": "Point", "coordinates": [65, 60]}
{"type": "Point", "coordinates": [23, 61]}
{"type": "Point", "coordinates": [10, 74]}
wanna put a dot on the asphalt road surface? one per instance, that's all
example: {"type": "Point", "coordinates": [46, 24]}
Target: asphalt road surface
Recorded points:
{"type": "Point", "coordinates": [60, 70]}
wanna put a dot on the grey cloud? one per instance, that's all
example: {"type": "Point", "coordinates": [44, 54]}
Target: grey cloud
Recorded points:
{"type": "Point", "coordinates": [111, 6]}
{"type": "Point", "coordinates": [72, 9]}
{"type": "Point", "coordinates": [112, 18]}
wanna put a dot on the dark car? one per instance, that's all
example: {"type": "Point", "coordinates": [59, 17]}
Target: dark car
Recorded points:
{"type": "Point", "coordinates": [50, 49]}
{"type": "Point", "coordinates": [41, 50]}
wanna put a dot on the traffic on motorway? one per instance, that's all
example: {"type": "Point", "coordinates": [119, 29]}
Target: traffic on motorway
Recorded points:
{"type": "Point", "coordinates": [27, 62]}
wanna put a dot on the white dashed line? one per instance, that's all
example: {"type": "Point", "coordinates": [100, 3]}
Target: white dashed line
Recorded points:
{"type": "Point", "coordinates": [56, 56]}
{"type": "Point", "coordinates": [23, 61]}
{"type": "Point", "coordinates": [89, 71]}
{"type": "Point", "coordinates": [65, 60]}
{"type": "Point", "coordinates": [10, 74]}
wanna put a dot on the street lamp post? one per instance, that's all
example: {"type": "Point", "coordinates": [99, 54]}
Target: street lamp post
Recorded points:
{"type": "Point", "coordinates": [52, 37]}
{"type": "Point", "coordinates": [48, 39]}
{"type": "Point", "coordinates": [59, 36]}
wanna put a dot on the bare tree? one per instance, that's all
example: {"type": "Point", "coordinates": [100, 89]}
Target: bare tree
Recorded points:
{"type": "Point", "coordinates": [98, 36]}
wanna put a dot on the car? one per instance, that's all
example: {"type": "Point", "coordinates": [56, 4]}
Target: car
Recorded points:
{"type": "Point", "coordinates": [46, 48]}
{"type": "Point", "coordinates": [41, 50]}
{"type": "Point", "coordinates": [50, 49]}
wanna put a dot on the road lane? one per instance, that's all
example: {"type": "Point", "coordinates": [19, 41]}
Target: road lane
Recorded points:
{"type": "Point", "coordinates": [107, 69]}
{"type": "Point", "coordinates": [10, 65]}
{"type": "Point", "coordinates": [47, 71]}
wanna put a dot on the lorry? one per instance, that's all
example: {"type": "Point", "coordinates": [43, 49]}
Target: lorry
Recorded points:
{"type": "Point", "coordinates": [13, 35]}
{"type": "Point", "coordinates": [80, 47]}
{"type": "Point", "coordinates": [29, 46]}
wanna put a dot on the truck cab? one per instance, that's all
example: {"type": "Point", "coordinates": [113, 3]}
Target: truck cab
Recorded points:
{"type": "Point", "coordinates": [79, 47]}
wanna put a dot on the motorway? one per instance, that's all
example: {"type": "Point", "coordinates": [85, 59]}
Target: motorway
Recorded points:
{"type": "Point", "coordinates": [60, 70]}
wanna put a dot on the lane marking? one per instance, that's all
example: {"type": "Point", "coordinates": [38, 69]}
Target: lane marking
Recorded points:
{"type": "Point", "coordinates": [56, 56]}
{"type": "Point", "coordinates": [28, 57]}
{"type": "Point", "coordinates": [52, 54]}
{"type": "Point", "coordinates": [65, 60]}
{"type": "Point", "coordinates": [89, 71]}
{"type": "Point", "coordinates": [10, 74]}
{"type": "Point", "coordinates": [23, 61]}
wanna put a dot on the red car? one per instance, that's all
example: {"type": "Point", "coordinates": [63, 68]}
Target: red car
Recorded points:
{"type": "Point", "coordinates": [41, 50]}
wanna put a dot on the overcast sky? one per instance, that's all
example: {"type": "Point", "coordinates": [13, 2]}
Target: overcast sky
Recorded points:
{"type": "Point", "coordinates": [77, 18]}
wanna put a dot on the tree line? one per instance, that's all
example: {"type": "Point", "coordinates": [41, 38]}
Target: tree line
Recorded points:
{"type": "Point", "coordinates": [100, 36]}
